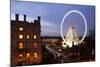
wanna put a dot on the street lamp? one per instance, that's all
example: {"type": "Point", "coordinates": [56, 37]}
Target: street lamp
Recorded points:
{"type": "Point", "coordinates": [64, 45]}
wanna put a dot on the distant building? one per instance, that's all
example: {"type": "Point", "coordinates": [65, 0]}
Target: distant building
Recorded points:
{"type": "Point", "coordinates": [25, 42]}
{"type": "Point", "coordinates": [52, 40]}
{"type": "Point", "coordinates": [92, 34]}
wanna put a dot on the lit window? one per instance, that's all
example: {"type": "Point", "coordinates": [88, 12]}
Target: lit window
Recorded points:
{"type": "Point", "coordinates": [21, 45]}
{"type": "Point", "coordinates": [28, 55]}
{"type": "Point", "coordinates": [35, 45]}
{"type": "Point", "coordinates": [20, 55]}
{"type": "Point", "coordinates": [21, 29]}
{"type": "Point", "coordinates": [35, 55]}
{"type": "Point", "coordinates": [20, 36]}
{"type": "Point", "coordinates": [34, 36]}
{"type": "Point", "coordinates": [27, 36]}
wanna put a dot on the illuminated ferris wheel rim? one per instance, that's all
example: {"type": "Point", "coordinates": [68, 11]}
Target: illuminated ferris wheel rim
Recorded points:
{"type": "Point", "coordinates": [85, 22]}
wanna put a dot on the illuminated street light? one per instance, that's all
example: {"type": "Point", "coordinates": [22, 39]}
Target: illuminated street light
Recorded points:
{"type": "Point", "coordinates": [64, 45]}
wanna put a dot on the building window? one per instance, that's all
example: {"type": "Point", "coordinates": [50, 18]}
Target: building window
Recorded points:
{"type": "Point", "coordinates": [28, 55]}
{"type": "Point", "coordinates": [21, 29]}
{"type": "Point", "coordinates": [28, 36]}
{"type": "Point", "coordinates": [20, 36]}
{"type": "Point", "coordinates": [20, 55]}
{"type": "Point", "coordinates": [35, 55]}
{"type": "Point", "coordinates": [21, 46]}
{"type": "Point", "coordinates": [35, 45]}
{"type": "Point", "coordinates": [34, 36]}
{"type": "Point", "coordinates": [93, 52]}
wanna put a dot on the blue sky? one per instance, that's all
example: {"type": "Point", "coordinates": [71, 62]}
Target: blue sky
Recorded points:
{"type": "Point", "coordinates": [52, 14]}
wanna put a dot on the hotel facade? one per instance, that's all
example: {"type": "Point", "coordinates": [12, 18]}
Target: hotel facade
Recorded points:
{"type": "Point", "coordinates": [25, 42]}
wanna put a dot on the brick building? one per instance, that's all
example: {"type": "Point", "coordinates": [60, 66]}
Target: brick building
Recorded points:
{"type": "Point", "coordinates": [25, 42]}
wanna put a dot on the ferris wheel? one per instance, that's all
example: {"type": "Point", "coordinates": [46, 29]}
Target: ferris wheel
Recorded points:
{"type": "Point", "coordinates": [69, 37]}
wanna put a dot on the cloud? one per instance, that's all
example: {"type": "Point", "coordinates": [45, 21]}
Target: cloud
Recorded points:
{"type": "Point", "coordinates": [49, 29]}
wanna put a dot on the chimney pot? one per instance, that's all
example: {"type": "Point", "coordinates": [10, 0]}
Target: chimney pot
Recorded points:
{"type": "Point", "coordinates": [39, 18]}
{"type": "Point", "coordinates": [24, 17]}
{"type": "Point", "coordinates": [17, 17]}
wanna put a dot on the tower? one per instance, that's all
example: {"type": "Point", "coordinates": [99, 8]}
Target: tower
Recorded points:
{"type": "Point", "coordinates": [71, 37]}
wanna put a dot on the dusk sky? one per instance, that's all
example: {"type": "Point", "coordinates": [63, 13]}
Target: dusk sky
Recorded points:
{"type": "Point", "coordinates": [52, 14]}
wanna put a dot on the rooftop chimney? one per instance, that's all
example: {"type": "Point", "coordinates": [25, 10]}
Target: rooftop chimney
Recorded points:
{"type": "Point", "coordinates": [25, 18]}
{"type": "Point", "coordinates": [17, 17]}
{"type": "Point", "coordinates": [39, 18]}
